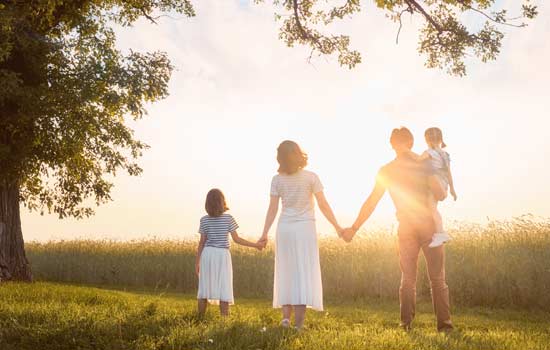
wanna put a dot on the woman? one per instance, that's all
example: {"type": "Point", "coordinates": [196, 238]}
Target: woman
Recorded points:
{"type": "Point", "coordinates": [297, 283]}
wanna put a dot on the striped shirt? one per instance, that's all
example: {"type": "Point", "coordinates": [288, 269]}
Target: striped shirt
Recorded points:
{"type": "Point", "coordinates": [217, 229]}
{"type": "Point", "coordinates": [296, 192]}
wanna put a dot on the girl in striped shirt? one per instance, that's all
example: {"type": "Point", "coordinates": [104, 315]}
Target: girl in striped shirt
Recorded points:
{"type": "Point", "coordinates": [213, 263]}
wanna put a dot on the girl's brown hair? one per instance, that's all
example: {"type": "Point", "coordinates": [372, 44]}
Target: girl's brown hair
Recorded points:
{"type": "Point", "coordinates": [290, 157]}
{"type": "Point", "coordinates": [215, 203]}
{"type": "Point", "coordinates": [434, 137]}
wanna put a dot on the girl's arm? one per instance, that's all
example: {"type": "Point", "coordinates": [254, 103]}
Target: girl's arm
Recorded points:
{"type": "Point", "coordinates": [451, 183]}
{"type": "Point", "coordinates": [270, 217]}
{"type": "Point", "coordinates": [239, 240]}
{"type": "Point", "coordinates": [199, 252]}
{"type": "Point", "coordinates": [327, 211]}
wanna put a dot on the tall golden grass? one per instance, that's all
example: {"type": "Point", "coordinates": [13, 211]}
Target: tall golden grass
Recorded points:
{"type": "Point", "coordinates": [503, 263]}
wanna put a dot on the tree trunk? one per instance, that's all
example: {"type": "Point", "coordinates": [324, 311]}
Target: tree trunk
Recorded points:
{"type": "Point", "coordinates": [13, 261]}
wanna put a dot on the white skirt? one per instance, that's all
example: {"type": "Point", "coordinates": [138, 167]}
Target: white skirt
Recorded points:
{"type": "Point", "coordinates": [297, 268]}
{"type": "Point", "coordinates": [216, 275]}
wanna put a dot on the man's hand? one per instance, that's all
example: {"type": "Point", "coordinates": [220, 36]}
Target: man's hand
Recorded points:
{"type": "Point", "coordinates": [348, 233]}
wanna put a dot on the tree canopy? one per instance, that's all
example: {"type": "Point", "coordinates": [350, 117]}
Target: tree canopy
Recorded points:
{"type": "Point", "coordinates": [444, 39]}
{"type": "Point", "coordinates": [66, 93]}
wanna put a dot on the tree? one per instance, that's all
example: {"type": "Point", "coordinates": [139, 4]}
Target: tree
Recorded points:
{"type": "Point", "coordinates": [67, 92]}
{"type": "Point", "coordinates": [444, 39]}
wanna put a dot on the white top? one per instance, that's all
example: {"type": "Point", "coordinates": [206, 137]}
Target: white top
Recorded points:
{"type": "Point", "coordinates": [439, 159]}
{"type": "Point", "coordinates": [296, 192]}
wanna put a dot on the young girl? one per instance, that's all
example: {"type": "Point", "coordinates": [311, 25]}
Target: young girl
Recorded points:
{"type": "Point", "coordinates": [213, 264]}
{"type": "Point", "coordinates": [441, 162]}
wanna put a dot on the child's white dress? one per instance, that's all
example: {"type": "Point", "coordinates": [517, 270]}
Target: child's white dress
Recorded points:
{"type": "Point", "coordinates": [297, 279]}
{"type": "Point", "coordinates": [216, 269]}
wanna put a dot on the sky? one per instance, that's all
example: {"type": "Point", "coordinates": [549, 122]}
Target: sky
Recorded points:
{"type": "Point", "coordinates": [237, 91]}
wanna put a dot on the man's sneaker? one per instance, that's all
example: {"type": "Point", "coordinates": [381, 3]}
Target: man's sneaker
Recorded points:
{"type": "Point", "coordinates": [439, 239]}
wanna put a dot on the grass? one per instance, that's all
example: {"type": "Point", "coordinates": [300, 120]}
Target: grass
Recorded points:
{"type": "Point", "coordinates": [499, 264]}
{"type": "Point", "coordinates": [53, 316]}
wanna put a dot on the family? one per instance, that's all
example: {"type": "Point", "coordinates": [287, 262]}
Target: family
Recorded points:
{"type": "Point", "coordinates": [416, 183]}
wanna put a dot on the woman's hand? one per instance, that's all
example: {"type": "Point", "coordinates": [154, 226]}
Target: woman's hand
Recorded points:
{"type": "Point", "coordinates": [197, 267]}
{"type": "Point", "coordinates": [263, 241]}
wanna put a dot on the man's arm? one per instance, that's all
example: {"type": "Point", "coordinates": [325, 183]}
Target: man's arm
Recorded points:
{"type": "Point", "coordinates": [366, 210]}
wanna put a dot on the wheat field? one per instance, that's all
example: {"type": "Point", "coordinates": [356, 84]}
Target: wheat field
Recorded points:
{"type": "Point", "coordinates": [504, 263]}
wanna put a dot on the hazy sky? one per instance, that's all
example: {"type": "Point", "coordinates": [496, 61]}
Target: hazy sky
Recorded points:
{"type": "Point", "coordinates": [238, 91]}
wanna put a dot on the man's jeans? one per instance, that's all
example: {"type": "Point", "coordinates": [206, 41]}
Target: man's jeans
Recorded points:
{"type": "Point", "coordinates": [414, 236]}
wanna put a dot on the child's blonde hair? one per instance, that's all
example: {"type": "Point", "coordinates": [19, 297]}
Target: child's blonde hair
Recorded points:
{"type": "Point", "coordinates": [434, 137]}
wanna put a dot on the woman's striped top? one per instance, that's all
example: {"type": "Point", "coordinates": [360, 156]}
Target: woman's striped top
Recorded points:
{"type": "Point", "coordinates": [217, 229]}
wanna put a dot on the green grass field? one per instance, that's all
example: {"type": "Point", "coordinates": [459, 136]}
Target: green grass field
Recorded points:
{"type": "Point", "coordinates": [499, 278]}
{"type": "Point", "coordinates": [43, 316]}
{"type": "Point", "coordinates": [502, 264]}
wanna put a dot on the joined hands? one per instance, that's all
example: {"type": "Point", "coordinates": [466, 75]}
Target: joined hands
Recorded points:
{"type": "Point", "coordinates": [346, 233]}
{"type": "Point", "coordinates": [262, 242]}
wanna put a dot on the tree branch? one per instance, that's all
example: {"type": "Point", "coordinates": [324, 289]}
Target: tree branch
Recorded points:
{"type": "Point", "coordinates": [305, 34]}
{"type": "Point", "coordinates": [429, 18]}
{"type": "Point", "coordinates": [408, 9]}
{"type": "Point", "coordinates": [148, 16]}
{"type": "Point", "coordinates": [463, 3]}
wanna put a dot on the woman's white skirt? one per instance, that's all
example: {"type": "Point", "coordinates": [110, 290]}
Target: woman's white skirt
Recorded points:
{"type": "Point", "coordinates": [297, 268]}
{"type": "Point", "coordinates": [216, 275]}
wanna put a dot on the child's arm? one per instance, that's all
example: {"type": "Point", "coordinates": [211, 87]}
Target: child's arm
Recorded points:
{"type": "Point", "coordinates": [451, 183]}
{"type": "Point", "coordinates": [239, 240]}
{"type": "Point", "coordinates": [199, 252]}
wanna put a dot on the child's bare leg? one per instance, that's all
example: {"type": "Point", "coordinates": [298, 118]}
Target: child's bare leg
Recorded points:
{"type": "Point", "coordinates": [201, 304]}
{"type": "Point", "coordinates": [438, 220]}
{"type": "Point", "coordinates": [287, 313]}
{"type": "Point", "coordinates": [439, 237]}
{"type": "Point", "coordinates": [299, 315]}
{"type": "Point", "coordinates": [224, 308]}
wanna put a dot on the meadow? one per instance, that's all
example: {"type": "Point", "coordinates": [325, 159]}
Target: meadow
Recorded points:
{"type": "Point", "coordinates": [141, 295]}
{"type": "Point", "coordinates": [501, 264]}
{"type": "Point", "coordinates": [50, 316]}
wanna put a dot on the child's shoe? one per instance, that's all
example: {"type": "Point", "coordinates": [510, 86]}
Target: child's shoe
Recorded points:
{"type": "Point", "coordinates": [439, 239]}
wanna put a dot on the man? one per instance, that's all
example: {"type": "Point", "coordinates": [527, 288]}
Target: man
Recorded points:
{"type": "Point", "coordinates": [409, 183]}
